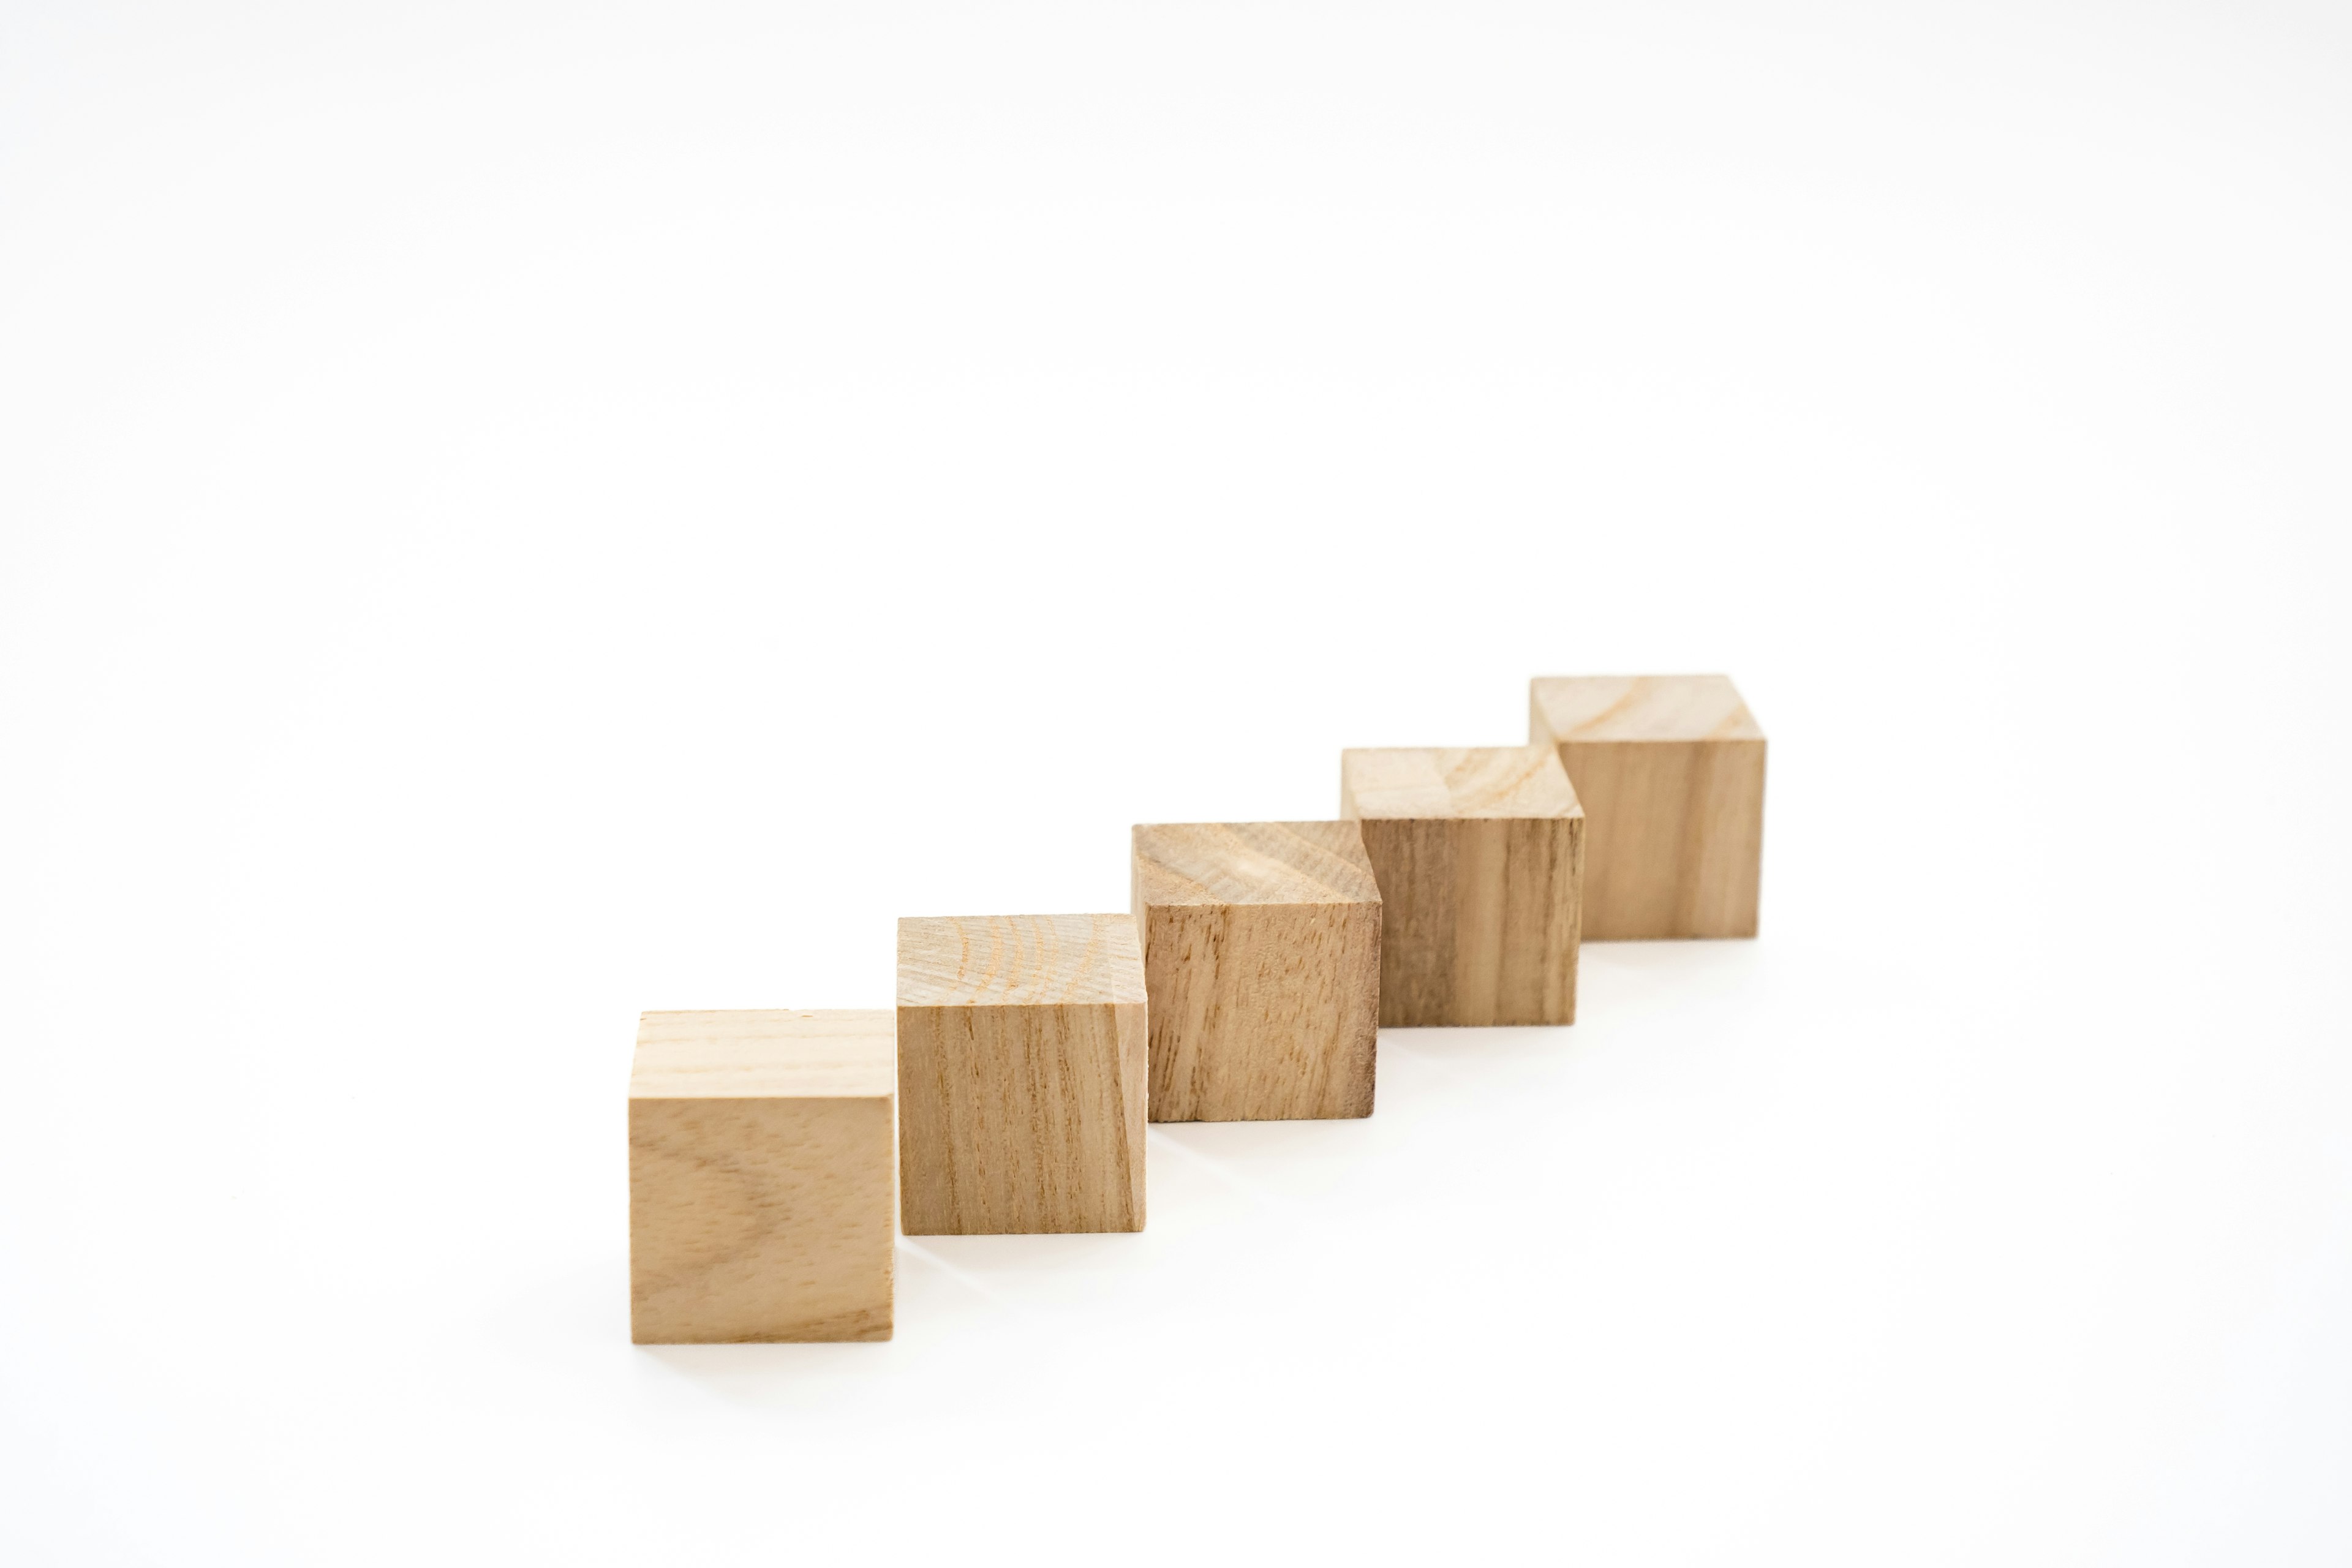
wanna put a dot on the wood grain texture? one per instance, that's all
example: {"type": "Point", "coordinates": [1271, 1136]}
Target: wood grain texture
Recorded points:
{"type": "Point", "coordinates": [762, 1181]}
{"type": "Point", "coordinates": [1021, 1074]}
{"type": "Point", "coordinates": [1479, 854]}
{"type": "Point", "coordinates": [1671, 771]}
{"type": "Point", "coordinates": [1261, 959]}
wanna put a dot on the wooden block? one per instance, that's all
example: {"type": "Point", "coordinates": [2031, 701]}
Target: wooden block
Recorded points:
{"type": "Point", "coordinates": [1479, 856]}
{"type": "Point", "coordinates": [1021, 1074]}
{"type": "Point", "coordinates": [1671, 771]}
{"type": "Point", "coordinates": [763, 1192]}
{"type": "Point", "coordinates": [1262, 956]}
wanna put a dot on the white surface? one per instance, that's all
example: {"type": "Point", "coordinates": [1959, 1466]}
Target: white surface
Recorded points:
{"type": "Point", "coordinates": [507, 518]}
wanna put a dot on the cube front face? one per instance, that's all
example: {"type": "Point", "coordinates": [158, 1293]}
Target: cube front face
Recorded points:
{"type": "Point", "coordinates": [1480, 858]}
{"type": "Point", "coordinates": [1022, 1065]}
{"type": "Point", "coordinates": [763, 1191]}
{"type": "Point", "coordinates": [1671, 771]}
{"type": "Point", "coordinates": [1262, 945]}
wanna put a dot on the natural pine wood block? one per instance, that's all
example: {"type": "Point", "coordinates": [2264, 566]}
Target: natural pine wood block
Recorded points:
{"type": "Point", "coordinates": [1262, 957]}
{"type": "Point", "coordinates": [1479, 855]}
{"type": "Point", "coordinates": [1671, 771]}
{"type": "Point", "coordinates": [762, 1185]}
{"type": "Point", "coordinates": [1021, 1073]}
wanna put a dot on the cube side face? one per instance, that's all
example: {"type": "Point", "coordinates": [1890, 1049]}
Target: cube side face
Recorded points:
{"type": "Point", "coordinates": [1675, 836]}
{"type": "Point", "coordinates": [1413, 861]}
{"type": "Point", "coordinates": [1542, 903]}
{"type": "Point", "coordinates": [1022, 1119]}
{"type": "Point", "coordinates": [1481, 920]}
{"type": "Point", "coordinates": [1261, 1012]}
{"type": "Point", "coordinates": [762, 1219]}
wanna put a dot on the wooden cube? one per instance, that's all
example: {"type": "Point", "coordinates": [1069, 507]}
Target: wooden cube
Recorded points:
{"type": "Point", "coordinates": [1480, 856]}
{"type": "Point", "coordinates": [1262, 957]}
{"type": "Point", "coordinates": [1671, 771]}
{"type": "Point", "coordinates": [763, 1190]}
{"type": "Point", "coordinates": [1021, 1072]}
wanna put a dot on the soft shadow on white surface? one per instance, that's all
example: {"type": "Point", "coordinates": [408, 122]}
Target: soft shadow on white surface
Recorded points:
{"type": "Point", "coordinates": [1234, 1209]}
{"type": "Point", "coordinates": [1251, 1195]}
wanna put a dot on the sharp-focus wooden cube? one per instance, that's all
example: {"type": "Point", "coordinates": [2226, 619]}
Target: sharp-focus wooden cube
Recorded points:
{"type": "Point", "coordinates": [1021, 1073]}
{"type": "Point", "coordinates": [762, 1185]}
{"type": "Point", "coordinates": [1480, 856]}
{"type": "Point", "coordinates": [1671, 771]}
{"type": "Point", "coordinates": [1262, 956]}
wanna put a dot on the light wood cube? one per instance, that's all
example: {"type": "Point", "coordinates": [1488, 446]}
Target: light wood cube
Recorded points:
{"type": "Point", "coordinates": [1262, 956]}
{"type": "Point", "coordinates": [1021, 1074]}
{"type": "Point", "coordinates": [1671, 771]}
{"type": "Point", "coordinates": [762, 1185]}
{"type": "Point", "coordinates": [1480, 858]}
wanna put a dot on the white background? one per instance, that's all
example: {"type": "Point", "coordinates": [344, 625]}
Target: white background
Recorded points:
{"type": "Point", "coordinates": [512, 517]}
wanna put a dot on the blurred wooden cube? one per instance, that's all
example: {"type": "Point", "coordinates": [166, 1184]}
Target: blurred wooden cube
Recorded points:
{"type": "Point", "coordinates": [1671, 771]}
{"type": "Point", "coordinates": [762, 1187]}
{"type": "Point", "coordinates": [1262, 958]}
{"type": "Point", "coordinates": [1479, 855]}
{"type": "Point", "coordinates": [1021, 1074]}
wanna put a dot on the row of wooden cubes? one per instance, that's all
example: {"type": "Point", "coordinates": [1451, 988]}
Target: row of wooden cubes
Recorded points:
{"type": "Point", "coordinates": [1249, 982]}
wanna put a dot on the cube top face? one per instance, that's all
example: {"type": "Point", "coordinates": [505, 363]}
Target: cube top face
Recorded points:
{"type": "Point", "coordinates": [1252, 863]}
{"type": "Point", "coordinates": [1017, 961]}
{"type": "Point", "coordinates": [1459, 784]}
{"type": "Point", "coordinates": [1610, 707]}
{"type": "Point", "coordinates": [791, 1055]}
